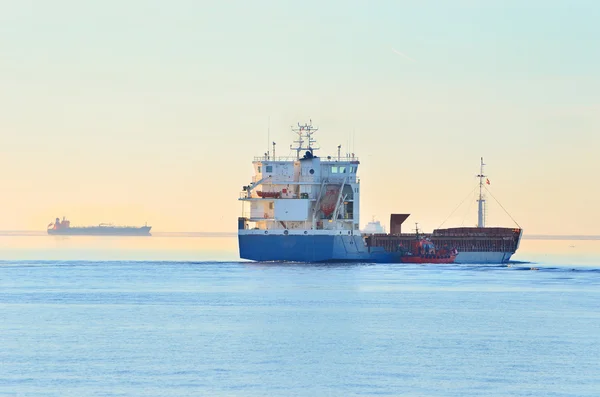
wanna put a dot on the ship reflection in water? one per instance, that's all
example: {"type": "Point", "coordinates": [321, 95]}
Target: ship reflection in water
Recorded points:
{"type": "Point", "coordinates": [64, 228]}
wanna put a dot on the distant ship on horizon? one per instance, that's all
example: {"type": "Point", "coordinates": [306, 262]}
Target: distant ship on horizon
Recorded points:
{"type": "Point", "coordinates": [374, 227]}
{"type": "Point", "coordinates": [64, 228]}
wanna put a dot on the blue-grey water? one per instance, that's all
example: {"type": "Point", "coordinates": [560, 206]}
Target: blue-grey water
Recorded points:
{"type": "Point", "coordinates": [177, 316]}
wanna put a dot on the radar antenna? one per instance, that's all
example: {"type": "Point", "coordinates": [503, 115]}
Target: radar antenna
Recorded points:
{"type": "Point", "coordinates": [305, 133]}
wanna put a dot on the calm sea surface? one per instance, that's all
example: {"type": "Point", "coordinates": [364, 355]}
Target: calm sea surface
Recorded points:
{"type": "Point", "coordinates": [182, 316]}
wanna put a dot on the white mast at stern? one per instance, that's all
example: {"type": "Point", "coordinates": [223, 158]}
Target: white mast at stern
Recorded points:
{"type": "Point", "coordinates": [481, 201]}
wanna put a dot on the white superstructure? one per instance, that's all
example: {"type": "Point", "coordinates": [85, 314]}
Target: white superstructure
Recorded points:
{"type": "Point", "coordinates": [374, 227]}
{"type": "Point", "coordinates": [304, 193]}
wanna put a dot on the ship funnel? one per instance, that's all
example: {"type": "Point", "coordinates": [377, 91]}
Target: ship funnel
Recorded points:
{"type": "Point", "coordinates": [396, 221]}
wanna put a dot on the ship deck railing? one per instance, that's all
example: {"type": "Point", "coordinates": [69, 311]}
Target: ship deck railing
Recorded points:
{"type": "Point", "coordinates": [244, 196]}
{"type": "Point", "coordinates": [294, 158]}
{"type": "Point", "coordinates": [445, 236]}
{"type": "Point", "coordinates": [463, 244]}
{"type": "Point", "coordinates": [343, 218]}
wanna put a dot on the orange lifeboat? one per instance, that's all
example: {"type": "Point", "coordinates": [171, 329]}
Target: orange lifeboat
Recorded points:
{"type": "Point", "coordinates": [329, 201]}
{"type": "Point", "coordinates": [268, 194]}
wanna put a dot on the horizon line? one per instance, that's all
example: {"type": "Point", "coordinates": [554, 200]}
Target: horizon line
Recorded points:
{"type": "Point", "coordinates": [233, 234]}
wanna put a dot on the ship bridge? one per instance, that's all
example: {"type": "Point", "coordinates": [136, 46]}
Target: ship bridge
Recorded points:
{"type": "Point", "coordinates": [303, 192]}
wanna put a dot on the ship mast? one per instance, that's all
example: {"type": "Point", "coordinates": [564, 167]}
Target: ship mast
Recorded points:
{"type": "Point", "coordinates": [304, 132]}
{"type": "Point", "coordinates": [481, 201]}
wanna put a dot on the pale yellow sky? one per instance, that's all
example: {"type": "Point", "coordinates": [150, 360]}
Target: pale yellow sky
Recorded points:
{"type": "Point", "coordinates": [116, 113]}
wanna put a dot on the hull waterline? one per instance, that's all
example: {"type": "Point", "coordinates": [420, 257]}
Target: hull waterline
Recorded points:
{"type": "Point", "coordinates": [101, 231]}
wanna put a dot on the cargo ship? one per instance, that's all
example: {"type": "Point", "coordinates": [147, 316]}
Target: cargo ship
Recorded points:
{"type": "Point", "coordinates": [64, 228]}
{"type": "Point", "coordinates": [306, 208]}
{"type": "Point", "coordinates": [373, 227]}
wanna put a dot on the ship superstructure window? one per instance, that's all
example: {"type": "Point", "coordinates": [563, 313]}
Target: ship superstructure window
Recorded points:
{"type": "Point", "coordinates": [334, 170]}
{"type": "Point", "coordinates": [259, 169]}
{"type": "Point", "coordinates": [352, 170]}
{"type": "Point", "coordinates": [269, 168]}
{"type": "Point", "coordinates": [342, 170]}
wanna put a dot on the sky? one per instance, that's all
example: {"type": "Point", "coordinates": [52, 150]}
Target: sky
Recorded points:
{"type": "Point", "coordinates": [151, 111]}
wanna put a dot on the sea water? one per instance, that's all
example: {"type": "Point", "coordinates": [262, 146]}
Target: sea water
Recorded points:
{"type": "Point", "coordinates": [181, 315]}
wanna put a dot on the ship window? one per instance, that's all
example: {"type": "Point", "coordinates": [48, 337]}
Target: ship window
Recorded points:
{"type": "Point", "coordinates": [342, 170]}
{"type": "Point", "coordinates": [351, 170]}
{"type": "Point", "coordinates": [259, 169]}
{"type": "Point", "coordinates": [334, 170]}
{"type": "Point", "coordinates": [271, 205]}
{"type": "Point", "coordinates": [269, 168]}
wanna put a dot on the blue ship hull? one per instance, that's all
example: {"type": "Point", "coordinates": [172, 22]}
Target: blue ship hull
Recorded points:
{"type": "Point", "coordinates": [311, 248]}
